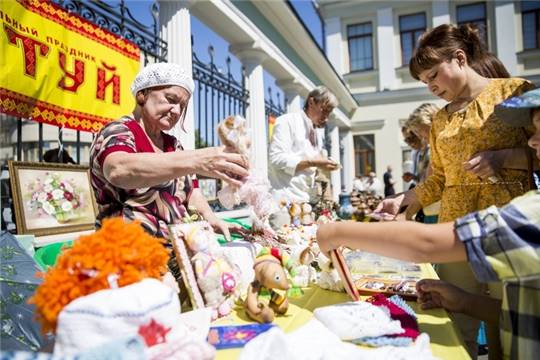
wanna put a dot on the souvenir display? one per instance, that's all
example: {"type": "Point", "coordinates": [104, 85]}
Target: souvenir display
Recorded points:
{"type": "Point", "coordinates": [270, 276]}
{"type": "Point", "coordinates": [373, 274]}
{"type": "Point", "coordinates": [255, 191]}
{"type": "Point", "coordinates": [199, 253]}
{"type": "Point", "coordinates": [341, 266]}
{"type": "Point", "coordinates": [364, 203]}
{"type": "Point", "coordinates": [117, 255]}
{"type": "Point", "coordinates": [233, 336]}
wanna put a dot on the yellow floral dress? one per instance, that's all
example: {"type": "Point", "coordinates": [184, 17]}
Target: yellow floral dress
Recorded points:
{"type": "Point", "coordinates": [456, 137]}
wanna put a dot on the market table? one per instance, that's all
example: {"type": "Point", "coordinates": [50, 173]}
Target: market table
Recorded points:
{"type": "Point", "coordinates": [446, 343]}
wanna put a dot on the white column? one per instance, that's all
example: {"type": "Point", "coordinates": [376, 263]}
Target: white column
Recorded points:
{"type": "Point", "coordinates": [335, 176]}
{"type": "Point", "coordinates": [348, 160]}
{"type": "Point", "coordinates": [440, 10]}
{"type": "Point", "coordinates": [291, 88]}
{"type": "Point", "coordinates": [385, 48]}
{"type": "Point", "coordinates": [252, 58]}
{"type": "Point", "coordinates": [334, 44]}
{"type": "Point", "coordinates": [176, 31]}
{"type": "Point", "coordinates": [505, 35]}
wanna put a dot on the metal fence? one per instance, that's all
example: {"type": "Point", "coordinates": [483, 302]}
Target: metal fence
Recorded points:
{"type": "Point", "coordinates": [217, 95]}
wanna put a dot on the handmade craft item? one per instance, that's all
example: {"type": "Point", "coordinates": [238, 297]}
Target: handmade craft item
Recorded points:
{"type": "Point", "coordinates": [233, 336]}
{"type": "Point", "coordinates": [341, 266]}
{"type": "Point", "coordinates": [270, 275]}
{"type": "Point", "coordinates": [403, 288]}
{"type": "Point", "coordinates": [117, 255]}
{"type": "Point", "coordinates": [255, 191]}
{"type": "Point", "coordinates": [204, 266]}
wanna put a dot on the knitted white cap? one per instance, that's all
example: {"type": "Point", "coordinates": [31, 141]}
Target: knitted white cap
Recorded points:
{"type": "Point", "coordinates": [161, 74]}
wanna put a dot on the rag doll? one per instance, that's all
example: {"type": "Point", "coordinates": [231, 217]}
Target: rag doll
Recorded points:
{"type": "Point", "coordinates": [255, 191]}
{"type": "Point", "coordinates": [216, 276]}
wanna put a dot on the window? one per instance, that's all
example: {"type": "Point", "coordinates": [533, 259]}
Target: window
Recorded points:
{"type": "Point", "coordinates": [474, 14]}
{"type": "Point", "coordinates": [410, 29]}
{"type": "Point", "coordinates": [360, 46]}
{"type": "Point", "coordinates": [364, 154]}
{"type": "Point", "coordinates": [530, 13]}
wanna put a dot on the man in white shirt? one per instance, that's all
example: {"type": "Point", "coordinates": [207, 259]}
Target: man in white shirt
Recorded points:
{"type": "Point", "coordinates": [374, 185]}
{"type": "Point", "coordinates": [295, 150]}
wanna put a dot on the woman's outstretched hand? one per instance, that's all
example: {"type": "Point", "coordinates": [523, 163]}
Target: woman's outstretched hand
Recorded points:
{"type": "Point", "coordinates": [216, 163]}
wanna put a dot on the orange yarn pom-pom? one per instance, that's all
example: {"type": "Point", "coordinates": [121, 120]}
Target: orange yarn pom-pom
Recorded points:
{"type": "Point", "coordinates": [117, 255]}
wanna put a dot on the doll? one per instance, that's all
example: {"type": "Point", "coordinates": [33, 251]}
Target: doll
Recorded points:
{"type": "Point", "coordinates": [255, 191]}
{"type": "Point", "coordinates": [216, 276]}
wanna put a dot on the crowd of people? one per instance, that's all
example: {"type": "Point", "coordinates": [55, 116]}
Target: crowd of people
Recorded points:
{"type": "Point", "coordinates": [471, 157]}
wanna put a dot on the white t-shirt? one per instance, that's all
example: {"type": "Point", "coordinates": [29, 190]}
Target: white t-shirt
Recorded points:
{"type": "Point", "coordinates": [290, 144]}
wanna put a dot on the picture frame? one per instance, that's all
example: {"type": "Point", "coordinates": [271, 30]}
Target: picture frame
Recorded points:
{"type": "Point", "coordinates": [208, 188]}
{"type": "Point", "coordinates": [177, 235]}
{"type": "Point", "coordinates": [52, 198]}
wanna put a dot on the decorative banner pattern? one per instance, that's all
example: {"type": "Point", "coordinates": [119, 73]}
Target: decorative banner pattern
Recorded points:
{"type": "Point", "coordinates": [59, 69]}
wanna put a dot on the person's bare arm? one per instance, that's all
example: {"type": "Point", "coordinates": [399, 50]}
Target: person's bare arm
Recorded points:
{"type": "Point", "coordinates": [139, 170]}
{"type": "Point", "coordinates": [403, 240]}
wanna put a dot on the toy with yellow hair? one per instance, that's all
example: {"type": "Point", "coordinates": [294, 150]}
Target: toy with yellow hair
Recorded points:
{"type": "Point", "coordinates": [117, 255]}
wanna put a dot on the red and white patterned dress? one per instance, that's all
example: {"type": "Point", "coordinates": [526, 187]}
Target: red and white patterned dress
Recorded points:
{"type": "Point", "coordinates": [155, 207]}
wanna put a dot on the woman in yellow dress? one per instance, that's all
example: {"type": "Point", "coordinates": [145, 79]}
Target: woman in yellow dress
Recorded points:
{"type": "Point", "coordinates": [477, 160]}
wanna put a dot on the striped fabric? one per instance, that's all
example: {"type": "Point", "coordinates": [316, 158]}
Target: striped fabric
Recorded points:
{"type": "Point", "coordinates": [504, 245]}
{"type": "Point", "coordinates": [155, 207]}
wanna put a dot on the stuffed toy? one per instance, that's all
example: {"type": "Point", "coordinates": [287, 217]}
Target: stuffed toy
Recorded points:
{"type": "Point", "coordinates": [255, 191]}
{"type": "Point", "coordinates": [216, 276]}
{"type": "Point", "coordinates": [117, 255]}
{"type": "Point", "coordinates": [303, 257]}
{"type": "Point", "coordinates": [307, 215]}
{"type": "Point", "coordinates": [295, 211]}
{"type": "Point", "coordinates": [270, 274]}
{"type": "Point", "coordinates": [329, 278]}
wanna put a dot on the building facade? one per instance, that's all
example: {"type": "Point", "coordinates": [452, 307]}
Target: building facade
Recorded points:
{"type": "Point", "coordinates": [370, 43]}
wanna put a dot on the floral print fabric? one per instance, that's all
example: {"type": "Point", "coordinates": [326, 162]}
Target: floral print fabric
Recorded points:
{"type": "Point", "coordinates": [456, 137]}
{"type": "Point", "coordinates": [155, 207]}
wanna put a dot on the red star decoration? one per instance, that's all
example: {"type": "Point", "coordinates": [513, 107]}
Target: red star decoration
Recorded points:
{"type": "Point", "coordinates": [154, 333]}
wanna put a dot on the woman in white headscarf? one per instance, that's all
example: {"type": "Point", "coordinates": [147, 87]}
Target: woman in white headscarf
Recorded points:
{"type": "Point", "coordinates": [141, 173]}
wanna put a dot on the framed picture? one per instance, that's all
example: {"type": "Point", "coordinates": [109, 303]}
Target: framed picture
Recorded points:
{"type": "Point", "coordinates": [52, 198]}
{"type": "Point", "coordinates": [208, 188]}
{"type": "Point", "coordinates": [183, 254]}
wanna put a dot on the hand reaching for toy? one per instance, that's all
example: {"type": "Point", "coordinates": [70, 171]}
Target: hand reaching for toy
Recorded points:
{"type": "Point", "coordinates": [225, 228]}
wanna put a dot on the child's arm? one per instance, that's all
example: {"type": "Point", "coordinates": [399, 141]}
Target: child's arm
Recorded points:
{"type": "Point", "coordinates": [405, 240]}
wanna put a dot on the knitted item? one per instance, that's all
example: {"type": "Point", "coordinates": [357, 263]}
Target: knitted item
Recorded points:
{"type": "Point", "coordinates": [162, 74]}
{"type": "Point", "coordinates": [408, 322]}
{"type": "Point", "coordinates": [405, 315]}
{"type": "Point", "coordinates": [358, 319]}
{"type": "Point", "coordinates": [383, 341]}
{"type": "Point", "coordinates": [398, 300]}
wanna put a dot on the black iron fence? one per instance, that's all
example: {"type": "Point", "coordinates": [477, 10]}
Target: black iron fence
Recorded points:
{"type": "Point", "coordinates": [217, 95]}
